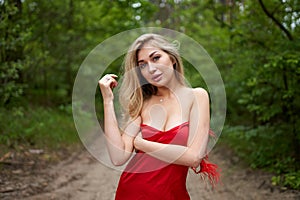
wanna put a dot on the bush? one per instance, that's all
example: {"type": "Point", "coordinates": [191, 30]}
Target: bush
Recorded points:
{"type": "Point", "coordinates": [267, 148]}
{"type": "Point", "coordinates": [38, 127]}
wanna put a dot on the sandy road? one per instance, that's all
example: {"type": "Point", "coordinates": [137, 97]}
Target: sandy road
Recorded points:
{"type": "Point", "coordinates": [81, 177]}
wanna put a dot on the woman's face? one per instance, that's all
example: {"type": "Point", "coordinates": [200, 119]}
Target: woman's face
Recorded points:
{"type": "Point", "coordinates": [156, 65]}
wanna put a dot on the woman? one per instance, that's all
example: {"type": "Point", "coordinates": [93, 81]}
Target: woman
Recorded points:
{"type": "Point", "coordinates": [167, 123]}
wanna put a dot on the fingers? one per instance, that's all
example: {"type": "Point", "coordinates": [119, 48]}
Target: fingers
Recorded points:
{"type": "Point", "coordinates": [109, 80]}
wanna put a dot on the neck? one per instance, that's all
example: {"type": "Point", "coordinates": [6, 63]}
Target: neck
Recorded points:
{"type": "Point", "coordinates": [167, 91]}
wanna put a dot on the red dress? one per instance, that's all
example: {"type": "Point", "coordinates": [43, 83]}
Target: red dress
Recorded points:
{"type": "Point", "coordinates": [148, 178]}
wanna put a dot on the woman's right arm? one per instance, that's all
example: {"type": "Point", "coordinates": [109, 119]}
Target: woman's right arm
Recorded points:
{"type": "Point", "coordinates": [119, 144]}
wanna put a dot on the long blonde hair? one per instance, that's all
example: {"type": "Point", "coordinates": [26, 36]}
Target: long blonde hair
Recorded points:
{"type": "Point", "coordinates": [134, 88]}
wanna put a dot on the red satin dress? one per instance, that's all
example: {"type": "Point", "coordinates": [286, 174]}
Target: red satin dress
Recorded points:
{"type": "Point", "coordinates": [148, 178]}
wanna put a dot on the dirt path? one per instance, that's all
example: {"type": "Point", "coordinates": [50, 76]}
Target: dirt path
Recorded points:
{"type": "Point", "coordinates": [81, 177]}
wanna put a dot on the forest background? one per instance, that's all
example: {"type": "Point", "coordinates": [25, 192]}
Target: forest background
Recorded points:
{"type": "Point", "coordinates": [255, 45]}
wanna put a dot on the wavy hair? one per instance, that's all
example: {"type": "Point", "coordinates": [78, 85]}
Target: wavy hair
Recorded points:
{"type": "Point", "coordinates": [134, 88]}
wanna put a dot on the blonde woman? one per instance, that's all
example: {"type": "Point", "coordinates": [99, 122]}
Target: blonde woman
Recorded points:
{"type": "Point", "coordinates": [167, 123]}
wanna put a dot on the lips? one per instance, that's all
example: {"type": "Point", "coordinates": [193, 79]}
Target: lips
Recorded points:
{"type": "Point", "coordinates": [157, 77]}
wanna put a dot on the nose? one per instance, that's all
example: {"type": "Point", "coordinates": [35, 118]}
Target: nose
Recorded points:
{"type": "Point", "coordinates": [151, 68]}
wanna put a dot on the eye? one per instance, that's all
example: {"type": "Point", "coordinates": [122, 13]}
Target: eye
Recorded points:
{"type": "Point", "coordinates": [142, 65]}
{"type": "Point", "coordinates": [156, 58]}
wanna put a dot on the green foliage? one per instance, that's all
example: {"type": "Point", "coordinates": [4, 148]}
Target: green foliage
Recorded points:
{"type": "Point", "coordinates": [265, 147]}
{"type": "Point", "coordinates": [13, 36]}
{"type": "Point", "coordinates": [274, 95]}
{"type": "Point", "coordinates": [9, 79]}
{"type": "Point", "coordinates": [263, 93]}
{"type": "Point", "coordinates": [44, 55]}
{"type": "Point", "coordinates": [193, 77]}
{"type": "Point", "coordinates": [253, 43]}
{"type": "Point", "coordinates": [37, 126]}
{"type": "Point", "coordinates": [291, 180]}
{"type": "Point", "coordinates": [269, 97]}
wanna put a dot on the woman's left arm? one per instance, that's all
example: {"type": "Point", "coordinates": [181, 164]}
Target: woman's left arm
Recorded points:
{"type": "Point", "coordinates": [192, 154]}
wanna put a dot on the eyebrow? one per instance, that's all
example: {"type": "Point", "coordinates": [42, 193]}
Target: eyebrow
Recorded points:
{"type": "Point", "coordinates": [151, 54]}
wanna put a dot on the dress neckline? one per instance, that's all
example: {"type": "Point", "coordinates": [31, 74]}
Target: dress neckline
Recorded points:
{"type": "Point", "coordinates": [156, 129]}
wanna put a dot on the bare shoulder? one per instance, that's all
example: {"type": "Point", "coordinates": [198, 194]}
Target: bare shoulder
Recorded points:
{"type": "Point", "coordinates": [196, 91]}
{"type": "Point", "coordinates": [200, 91]}
{"type": "Point", "coordinates": [201, 95]}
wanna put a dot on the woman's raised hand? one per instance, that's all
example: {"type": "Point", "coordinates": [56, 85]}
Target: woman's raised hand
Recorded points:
{"type": "Point", "coordinates": [106, 84]}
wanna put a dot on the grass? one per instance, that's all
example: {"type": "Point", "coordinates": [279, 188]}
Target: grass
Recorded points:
{"type": "Point", "coordinates": [37, 127]}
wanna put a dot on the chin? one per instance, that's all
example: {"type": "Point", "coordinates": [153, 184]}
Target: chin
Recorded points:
{"type": "Point", "coordinates": [159, 85]}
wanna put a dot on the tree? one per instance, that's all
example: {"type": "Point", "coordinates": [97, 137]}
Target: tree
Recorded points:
{"type": "Point", "coordinates": [14, 35]}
